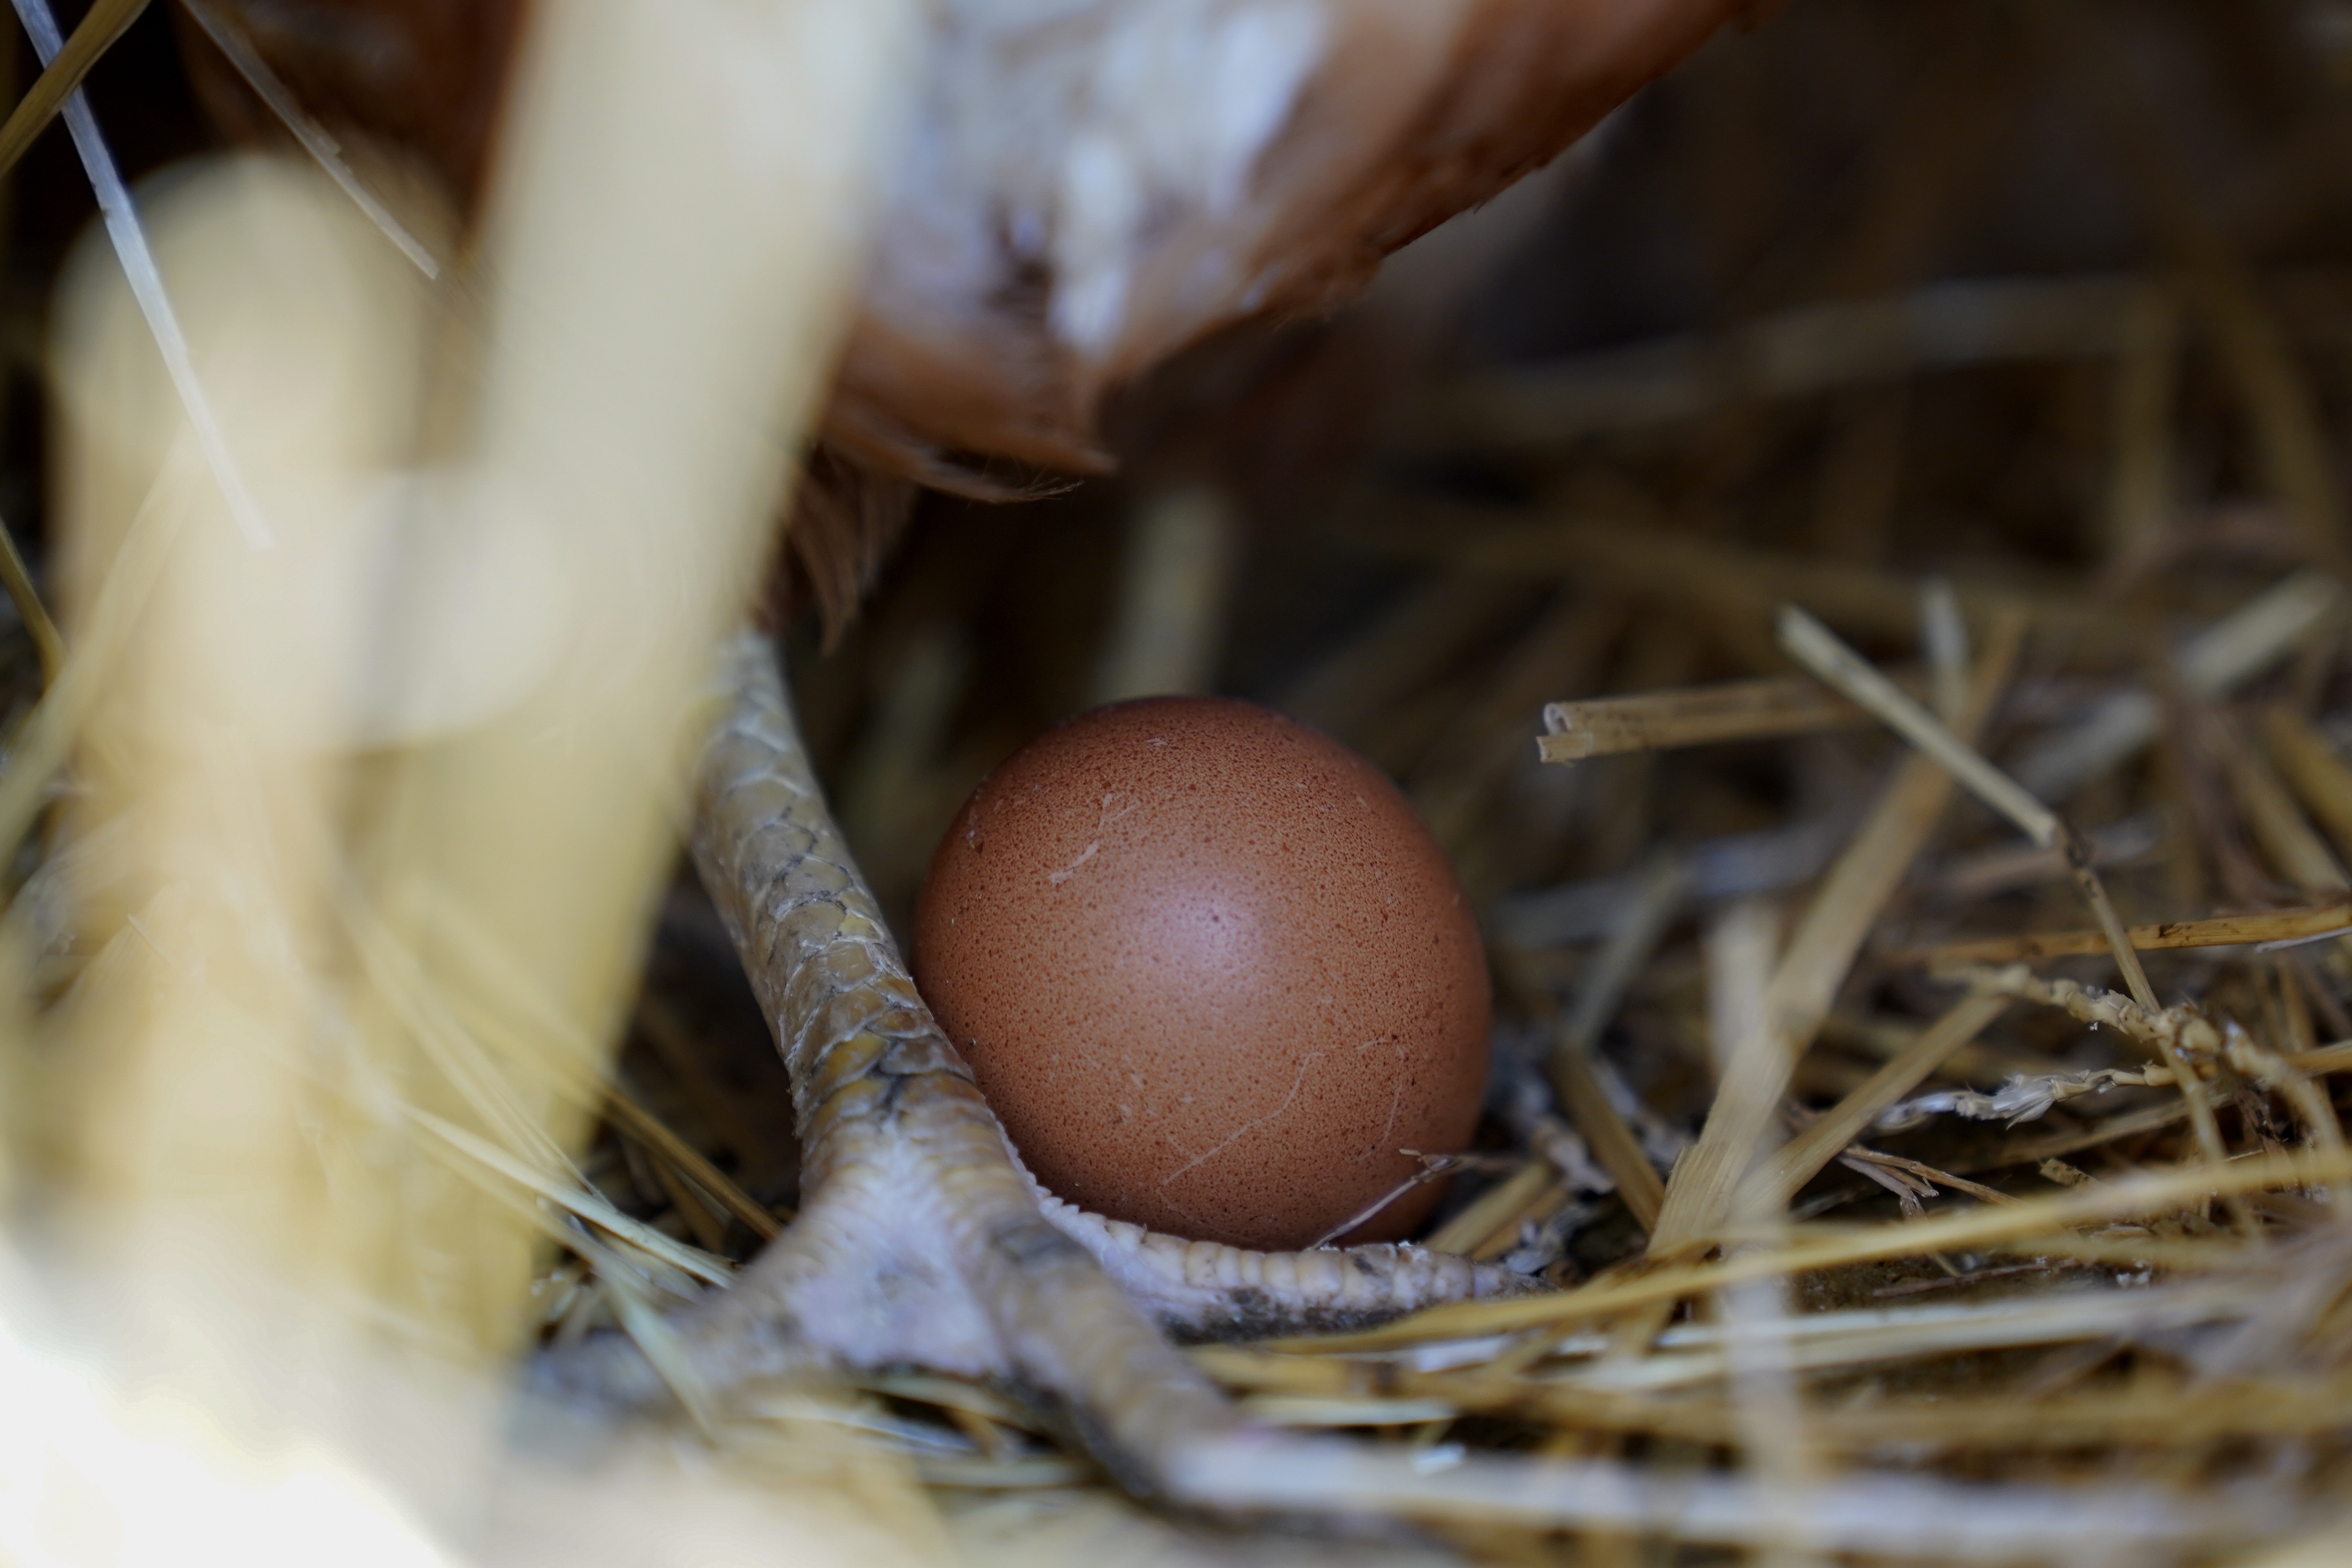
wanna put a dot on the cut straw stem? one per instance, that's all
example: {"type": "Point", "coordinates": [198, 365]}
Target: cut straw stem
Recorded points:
{"type": "Point", "coordinates": [1819, 955]}
{"type": "Point", "coordinates": [2303, 924]}
{"type": "Point", "coordinates": [1819, 650]}
{"type": "Point", "coordinates": [1831, 1338]}
{"type": "Point", "coordinates": [650, 1131]}
{"type": "Point", "coordinates": [1614, 1143]}
{"type": "Point", "coordinates": [622, 1280]}
{"type": "Point", "coordinates": [18, 580]}
{"type": "Point", "coordinates": [1573, 1080]}
{"type": "Point", "coordinates": [2337, 1057]}
{"type": "Point", "coordinates": [107, 21]}
{"type": "Point", "coordinates": [1973, 1229]}
{"type": "Point", "coordinates": [1492, 1209]}
{"type": "Point", "coordinates": [1692, 716]}
{"type": "Point", "coordinates": [2111, 923]}
{"type": "Point", "coordinates": [577, 1201]}
{"type": "Point", "coordinates": [1536, 1210]}
{"type": "Point", "coordinates": [1797, 1162]}
{"type": "Point", "coordinates": [2312, 769]}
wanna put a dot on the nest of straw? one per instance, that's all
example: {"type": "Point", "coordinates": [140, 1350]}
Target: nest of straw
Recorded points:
{"type": "Point", "coordinates": [1860, 590]}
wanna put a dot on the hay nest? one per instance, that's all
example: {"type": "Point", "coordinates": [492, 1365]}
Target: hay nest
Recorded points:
{"type": "Point", "coordinates": [1856, 577]}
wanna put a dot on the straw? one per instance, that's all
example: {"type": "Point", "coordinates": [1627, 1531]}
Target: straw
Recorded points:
{"type": "Point", "coordinates": [1737, 710]}
{"type": "Point", "coordinates": [1820, 650]}
{"type": "Point", "coordinates": [1796, 1161]}
{"type": "Point", "coordinates": [1818, 952]}
{"type": "Point", "coordinates": [2310, 924]}
{"type": "Point", "coordinates": [62, 74]}
{"type": "Point", "coordinates": [129, 241]}
{"type": "Point", "coordinates": [324, 149]}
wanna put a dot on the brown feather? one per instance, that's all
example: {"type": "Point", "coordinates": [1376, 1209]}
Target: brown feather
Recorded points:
{"type": "Point", "coordinates": [1087, 191]}
{"type": "Point", "coordinates": [845, 518]}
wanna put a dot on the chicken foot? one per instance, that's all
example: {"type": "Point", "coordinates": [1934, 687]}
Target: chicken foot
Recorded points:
{"type": "Point", "coordinates": [922, 1240]}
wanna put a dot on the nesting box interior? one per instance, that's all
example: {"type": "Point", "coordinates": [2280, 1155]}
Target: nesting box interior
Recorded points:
{"type": "Point", "coordinates": [1850, 562]}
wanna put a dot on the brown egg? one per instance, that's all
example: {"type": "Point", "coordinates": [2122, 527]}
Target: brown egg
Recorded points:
{"type": "Point", "coordinates": [1211, 971]}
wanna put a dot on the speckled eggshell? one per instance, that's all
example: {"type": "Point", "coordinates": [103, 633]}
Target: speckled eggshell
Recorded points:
{"type": "Point", "coordinates": [1212, 971]}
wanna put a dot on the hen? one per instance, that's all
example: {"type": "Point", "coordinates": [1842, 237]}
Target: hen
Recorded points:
{"type": "Point", "coordinates": [1090, 186]}
{"type": "Point", "coordinates": [1087, 187]}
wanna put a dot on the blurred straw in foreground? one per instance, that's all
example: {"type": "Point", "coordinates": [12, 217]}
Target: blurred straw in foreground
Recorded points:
{"type": "Point", "coordinates": [383, 807]}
